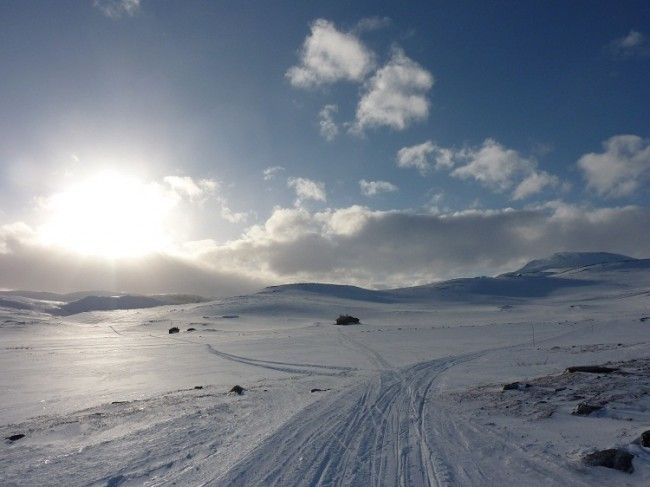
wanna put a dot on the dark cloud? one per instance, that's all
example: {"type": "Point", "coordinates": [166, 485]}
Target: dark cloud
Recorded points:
{"type": "Point", "coordinates": [32, 267]}
{"type": "Point", "coordinates": [353, 245]}
{"type": "Point", "coordinates": [360, 246]}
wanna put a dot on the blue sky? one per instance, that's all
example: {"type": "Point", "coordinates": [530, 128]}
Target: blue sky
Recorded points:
{"type": "Point", "coordinates": [368, 111]}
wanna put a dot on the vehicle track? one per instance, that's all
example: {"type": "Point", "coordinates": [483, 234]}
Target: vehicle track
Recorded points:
{"type": "Point", "coordinates": [392, 429]}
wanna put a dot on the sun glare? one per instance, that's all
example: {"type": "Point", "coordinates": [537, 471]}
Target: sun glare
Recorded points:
{"type": "Point", "coordinates": [109, 215]}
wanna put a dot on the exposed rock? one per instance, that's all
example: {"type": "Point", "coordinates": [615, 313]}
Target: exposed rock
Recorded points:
{"type": "Point", "coordinates": [347, 320]}
{"type": "Point", "coordinates": [585, 409]}
{"type": "Point", "coordinates": [191, 329]}
{"type": "Point", "coordinates": [173, 329]}
{"type": "Point", "coordinates": [615, 458]}
{"type": "Point", "coordinates": [511, 387]}
{"type": "Point", "coordinates": [645, 439]}
{"type": "Point", "coordinates": [198, 387]}
{"type": "Point", "coordinates": [15, 437]}
{"type": "Point", "coordinates": [318, 390]}
{"type": "Point", "coordinates": [591, 369]}
{"type": "Point", "coordinates": [239, 390]}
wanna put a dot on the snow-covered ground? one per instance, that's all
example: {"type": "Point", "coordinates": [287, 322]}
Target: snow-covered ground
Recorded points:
{"type": "Point", "coordinates": [412, 396]}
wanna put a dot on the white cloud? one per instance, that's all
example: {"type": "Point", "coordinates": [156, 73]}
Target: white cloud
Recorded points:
{"type": "Point", "coordinates": [534, 183]}
{"type": "Point", "coordinates": [493, 165]}
{"type": "Point", "coordinates": [634, 43]}
{"type": "Point", "coordinates": [189, 187]}
{"type": "Point", "coordinates": [271, 172]}
{"type": "Point", "coordinates": [328, 127]}
{"type": "Point", "coordinates": [422, 156]}
{"type": "Point", "coordinates": [395, 96]}
{"type": "Point", "coordinates": [229, 215]}
{"type": "Point", "coordinates": [329, 55]}
{"type": "Point", "coordinates": [620, 169]}
{"type": "Point", "coordinates": [372, 188]}
{"type": "Point", "coordinates": [306, 189]}
{"type": "Point", "coordinates": [500, 168]}
{"type": "Point", "coordinates": [118, 8]}
{"type": "Point", "coordinates": [202, 189]}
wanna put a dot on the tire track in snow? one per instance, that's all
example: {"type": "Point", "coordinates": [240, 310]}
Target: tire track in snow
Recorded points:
{"type": "Point", "coordinates": [288, 367]}
{"type": "Point", "coordinates": [307, 369]}
{"type": "Point", "coordinates": [375, 357]}
{"type": "Point", "coordinates": [388, 431]}
{"type": "Point", "coordinates": [352, 419]}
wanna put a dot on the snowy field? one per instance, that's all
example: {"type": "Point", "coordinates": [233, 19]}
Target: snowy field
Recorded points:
{"type": "Point", "coordinates": [413, 396]}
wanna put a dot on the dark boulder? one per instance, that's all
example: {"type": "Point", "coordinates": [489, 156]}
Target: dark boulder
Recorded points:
{"type": "Point", "coordinates": [645, 439]}
{"type": "Point", "coordinates": [318, 390]}
{"type": "Point", "coordinates": [191, 329]}
{"type": "Point", "coordinates": [591, 369]}
{"type": "Point", "coordinates": [173, 329]}
{"type": "Point", "coordinates": [198, 387]}
{"type": "Point", "coordinates": [239, 390]}
{"type": "Point", "coordinates": [15, 437]}
{"type": "Point", "coordinates": [615, 458]}
{"type": "Point", "coordinates": [511, 387]}
{"type": "Point", "coordinates": [347, 320]}
{"type": "Point", "coordinates": [585, 409]}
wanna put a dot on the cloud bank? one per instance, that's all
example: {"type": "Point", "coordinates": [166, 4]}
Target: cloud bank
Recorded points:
{"type": "Point", "coordinates": [353, 245]}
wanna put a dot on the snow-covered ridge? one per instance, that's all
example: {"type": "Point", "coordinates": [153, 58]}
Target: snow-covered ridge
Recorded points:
{"type": "Point", "coordinates": [538, 278]}
{"type": "Point", "coordinates": [570, 260]}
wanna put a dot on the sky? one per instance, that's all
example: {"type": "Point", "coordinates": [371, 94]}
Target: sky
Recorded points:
{"type": "Point", "coordinates": [217, 147]}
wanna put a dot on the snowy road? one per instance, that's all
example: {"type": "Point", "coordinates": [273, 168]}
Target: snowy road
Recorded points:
{"type": "Point", "coordinates": [389, 430]}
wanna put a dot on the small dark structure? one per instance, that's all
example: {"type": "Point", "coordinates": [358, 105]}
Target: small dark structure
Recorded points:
{"type": "Point", "coordinates": [347, 320]}
{"type": "Point", "coordinates": [198, 387]}
{"type": "Point", "coordinates": [239, 390]}
{"type": "Point", "coordinates": [191, 329]}
{"type": "Point", "coordinates": [173, 329]}
{"type": "Point", "coordinates": [15, 437]}
{"type": "Point", "coordinates": [615, 458]}
{"type": "Point", "coordinates": [511, 387]}
{"type": "Point", "coordinates": [591, 369]}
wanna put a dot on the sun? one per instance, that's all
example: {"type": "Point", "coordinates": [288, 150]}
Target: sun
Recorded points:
{"type": "Point", "coordinates": [108, 215]}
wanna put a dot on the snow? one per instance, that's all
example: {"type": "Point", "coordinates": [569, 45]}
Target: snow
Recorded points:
{"type": "Point", "coordinates": [566, 260]}
{"type": "Point", "coordinates": [412, 396]}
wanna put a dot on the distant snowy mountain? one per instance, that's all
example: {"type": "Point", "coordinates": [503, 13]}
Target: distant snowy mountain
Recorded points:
{"type": "Point", "coordinates": [84, 301]}
{"type": "Point", "coordinates": [333, 290]}
{"type": "Point", "coordinates": [106, 303]}
{"type": "Point", "coordinates": [538, 278]}
{"type": "Point", "coordinates": [569, 260]}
